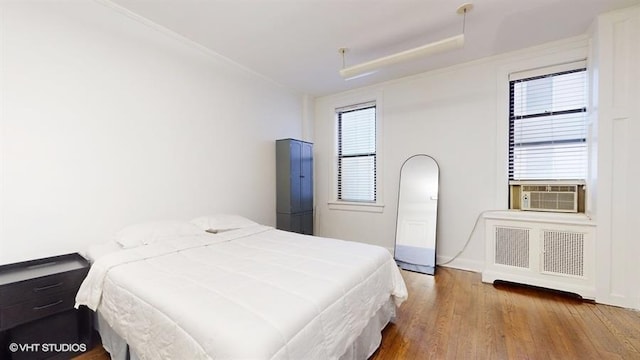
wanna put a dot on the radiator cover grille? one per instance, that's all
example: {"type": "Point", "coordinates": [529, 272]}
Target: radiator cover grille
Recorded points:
{"type": "Point", "coordinates": [512, 247]}
{"type": "Point", "coordinates": [563, 252]}
{"type": "Point", "coordinates": [543, 251]}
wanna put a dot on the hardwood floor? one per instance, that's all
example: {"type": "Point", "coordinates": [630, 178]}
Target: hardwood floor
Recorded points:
{"type": "Point", "coordinates": [455, 316]}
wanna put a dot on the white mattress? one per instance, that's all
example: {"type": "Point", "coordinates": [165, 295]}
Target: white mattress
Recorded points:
{"type": "Point", "coordinates": [254, 293]}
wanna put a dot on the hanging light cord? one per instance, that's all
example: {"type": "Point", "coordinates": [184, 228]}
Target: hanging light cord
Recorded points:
{"type": "Point", "coordinates": [464, 20]}
{"type": "Point", "coordinates": [463, 10]}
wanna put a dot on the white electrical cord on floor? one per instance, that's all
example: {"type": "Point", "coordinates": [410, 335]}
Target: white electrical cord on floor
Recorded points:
{"type": "Point", "coordinates": [469, 238]}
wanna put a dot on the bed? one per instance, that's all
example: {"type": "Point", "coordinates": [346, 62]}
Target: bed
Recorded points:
{"type": "Point", "coordinates": [240, 290]}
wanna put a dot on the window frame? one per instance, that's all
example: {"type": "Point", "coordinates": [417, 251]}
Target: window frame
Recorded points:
{"type": "Point", "coordinates": [341, 156]}
{"type": "Point", "coordinates": [546, 72]}
{"type": "Point", "coordinates": [350, 100]}
{"type": "Point", "coordinates": [561, 52]}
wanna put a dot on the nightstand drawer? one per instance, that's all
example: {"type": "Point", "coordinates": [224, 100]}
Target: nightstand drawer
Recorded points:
{"type": "Point", "coordinates": [36, 306]}
{"type": "Point", "coordinates": [24, 312]}
{"type": "Point", "coordinates": [41, 287]}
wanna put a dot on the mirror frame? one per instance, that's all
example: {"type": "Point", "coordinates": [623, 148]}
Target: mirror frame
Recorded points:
{"type": "Point", "coordinates": [436, 217]}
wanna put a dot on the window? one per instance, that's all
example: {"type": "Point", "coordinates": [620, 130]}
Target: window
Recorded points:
{"type": "Point", "coordinates": [357, 153]}
{"type": "Point", "coordinates": [547, 125]}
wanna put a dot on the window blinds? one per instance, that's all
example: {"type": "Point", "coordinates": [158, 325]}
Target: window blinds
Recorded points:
{"type": "Point", "coordinates": [357, 153]}
{"type": "Point", "coordinates": [547, 126]}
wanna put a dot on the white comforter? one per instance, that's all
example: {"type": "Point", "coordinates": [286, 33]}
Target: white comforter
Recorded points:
{"type": "Point", "coordinates": [253, 293]}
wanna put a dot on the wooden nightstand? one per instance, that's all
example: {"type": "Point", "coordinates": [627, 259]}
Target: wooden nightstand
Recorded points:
{"type": "Point", "coordinates": [37, 315]}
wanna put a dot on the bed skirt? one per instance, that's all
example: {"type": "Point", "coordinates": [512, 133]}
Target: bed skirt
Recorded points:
{"type": "Point", "coordinates": [362, 348]}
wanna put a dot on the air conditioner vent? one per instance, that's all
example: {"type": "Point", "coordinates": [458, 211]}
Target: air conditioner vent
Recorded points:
{"type": "Point", "coordinates": [559, 188]}
{"type": "Point", "coordinates": [512, 247]}
{"type": "Point", "coordinates": [549, 197]}
{"type": "Point", "coordinates": [551, 201]}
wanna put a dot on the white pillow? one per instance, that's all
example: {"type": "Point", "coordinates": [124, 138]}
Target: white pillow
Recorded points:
{"type": "Point", "coordinates": [221, 222]}
{"type": "Point", "coordinates": [150, 232]}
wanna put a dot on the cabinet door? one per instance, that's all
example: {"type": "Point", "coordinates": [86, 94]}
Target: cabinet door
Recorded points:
{"type": "Point", "coordinates": [289, 222]}
{"type": "Point", "coordinates": [306, 177]}
{"type": "Point", "coordinates": [306, 223]}
{"type": "Point", "coordinates": [295, 159]}
{"type": "Point", "coordinates": [301, 223]}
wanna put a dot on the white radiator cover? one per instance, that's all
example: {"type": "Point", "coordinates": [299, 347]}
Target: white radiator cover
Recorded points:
{"type": "Point", "coordinates": [553, 251]}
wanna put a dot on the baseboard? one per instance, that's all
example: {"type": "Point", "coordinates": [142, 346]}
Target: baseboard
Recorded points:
{"type": "Point", "coordinates": [460, 264]}
{"type": "Point", "coordinates": [618, 300]}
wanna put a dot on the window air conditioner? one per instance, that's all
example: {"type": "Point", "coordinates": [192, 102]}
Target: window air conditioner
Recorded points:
{"type": "Point", "coordinates": [549, 197]}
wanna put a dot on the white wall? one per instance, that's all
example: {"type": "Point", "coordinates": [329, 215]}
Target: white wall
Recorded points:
{"type": "Point", "coordinates": [107, 120]}
{"type": "Point", "coordinates": [459, 116]}
{"type": "Point", "coordinates": [453, 115]}
{"type": "Point", "coordinates": [616, 95]}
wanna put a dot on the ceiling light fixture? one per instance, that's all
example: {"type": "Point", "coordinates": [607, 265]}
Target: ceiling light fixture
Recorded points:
{"type": "Point", "coordinates": [369, 67]}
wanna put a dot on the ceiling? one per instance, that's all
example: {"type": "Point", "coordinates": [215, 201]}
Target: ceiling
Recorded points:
{"type": "Point", "coordinates": [296, 42]}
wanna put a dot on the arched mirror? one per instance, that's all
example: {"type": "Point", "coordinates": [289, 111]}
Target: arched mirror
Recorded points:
{"type": "Point", "coordinates": [417, 215]}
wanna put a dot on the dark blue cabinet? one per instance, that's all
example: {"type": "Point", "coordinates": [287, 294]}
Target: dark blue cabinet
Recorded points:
{"type": "Point", "coordinates": [294, 186]}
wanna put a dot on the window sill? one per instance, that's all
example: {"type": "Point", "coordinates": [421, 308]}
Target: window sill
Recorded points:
{"type": "Point", "coordinates": [541, 216]}
{"type": "Point", "coordinates": [356, 206]}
